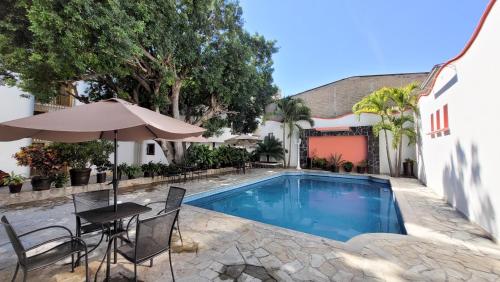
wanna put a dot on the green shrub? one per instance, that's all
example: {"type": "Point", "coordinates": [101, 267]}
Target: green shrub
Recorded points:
{"type": "Point", "coordinates": [348, 166]}
{"type": "Point", "coordinates": [61, 179]}
{"type": "Point", "coordinates": [100, 151]}
{"type": "Point", "coordinates": [200, 156]}
{"type": "Point", "coordinates": [76, 155]}
{"type": "Point", "coordinates": [319, 163]}
{"type": "Point", "coordinates": [133, 171]}
{"type": "Point", "coordinates": [13, 179]}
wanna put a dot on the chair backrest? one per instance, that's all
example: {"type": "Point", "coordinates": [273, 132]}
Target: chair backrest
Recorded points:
{"type": "Point", "coordinates": [14, 240]}
{"type": "Point", "coordinates": [153, 235]}
{"type": "Point", "coordinates": [91, 200]}
{"type": "Point", "coordinates": [174, 198]}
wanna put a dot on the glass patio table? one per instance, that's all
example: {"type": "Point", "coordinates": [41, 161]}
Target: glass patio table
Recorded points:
{"type": "Point", "coordinates": [106, 216]}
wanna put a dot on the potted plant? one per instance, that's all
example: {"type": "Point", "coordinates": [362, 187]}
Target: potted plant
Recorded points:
{"type": "Point", "coordinates": [361, 167]}
{"type": "Point", "coordinates": [336, 162]}
{"type": "Point", "coordinates": [408, 167]}
{"type": "Point", "coordinates": [102, 167]}
{"type": "Point", "coordinates": [45, 161]}
{"type": "Point", "coordinates": [100, 151]}
{"type": "Point", "coordinates": [14, 181]}
{"type": "Point", "coordinates": [347, 166]}
{"type": "Point", "coordinates": [77, 156]}
{"type": "Point", "coordinates": [122, 170]}
{"type": "Point", "coordinates": [133, 171]}
{"type": "Point", "coordinates": [149, 169]}
{"type": "Point", "coordinates": [61, 179]}
{"type": "Point", "coordinates": [320, 163]}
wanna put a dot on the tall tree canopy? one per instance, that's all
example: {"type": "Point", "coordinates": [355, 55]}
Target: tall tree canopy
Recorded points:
{"type": "Point", "coordinates": [190, 59]}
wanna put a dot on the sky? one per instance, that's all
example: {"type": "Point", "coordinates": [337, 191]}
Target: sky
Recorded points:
{"type": "Point", "coordinates": [321, 41]}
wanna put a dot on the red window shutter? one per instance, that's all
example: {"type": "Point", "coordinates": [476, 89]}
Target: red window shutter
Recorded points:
{"type": "Point", "coordinates": [438, 121]}
{"type": "Point", "coordinates": [432, 122]}
{"type": "Point", "coordinates": [445, 116]}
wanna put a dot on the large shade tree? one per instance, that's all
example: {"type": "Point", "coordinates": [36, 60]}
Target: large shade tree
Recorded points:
{"type": "Point", "coordinates": [192, 60]}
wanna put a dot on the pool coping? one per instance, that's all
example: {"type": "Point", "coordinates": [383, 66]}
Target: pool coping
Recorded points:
{"type": "Point", "coordinates": [355, 243]}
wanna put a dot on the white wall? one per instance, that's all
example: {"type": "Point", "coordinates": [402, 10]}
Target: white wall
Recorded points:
{"type": "Point", "coordinates": [14, 106]}
{"type": "Point", "coordinates": [463, 166]}
{"type": "Point", "coordinates": [347, 120]}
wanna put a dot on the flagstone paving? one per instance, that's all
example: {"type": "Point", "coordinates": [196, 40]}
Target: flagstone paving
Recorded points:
{"type": "Point", "coordinates": [442, 245]}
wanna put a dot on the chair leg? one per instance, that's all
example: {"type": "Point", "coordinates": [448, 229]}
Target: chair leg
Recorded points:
{"type": "Point", "coordinates": [135, 272]}
{"type": "Point", "coordinates": [15, 272]}
{"type": "Point", "coordinates": [151, 263]}
{"type": "Point", "coordinates": [72, 262]}
{"type": "Point", "coordinates": [179, 231]}
{"type": "Point", "coordinates": [170, 261]}
{"type": "Point", "coordinates": [25, 276]}
{"type": "Point", "coordinates": [87, 277]}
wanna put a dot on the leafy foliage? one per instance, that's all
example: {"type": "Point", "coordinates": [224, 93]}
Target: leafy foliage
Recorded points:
{"type": "Point", "coordinates": [181, 58]}
{"type": "Point", "coordinates": [291, 111]}
{"type": "Point", "coordinates": [395, 106]}
{"type": "Point", "coordinates": [13, 179]}
{"type": "Point", "coordinates": [45, 160]}
{"type": "Point", "coordinates": [200, 156]}
{"type": "Point", "coordinates": [271, 148]}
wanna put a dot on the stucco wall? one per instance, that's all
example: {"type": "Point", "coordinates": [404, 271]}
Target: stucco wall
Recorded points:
{"type": "Point", "coordinates": [462, 164]}
{"type": "Point", "coordinates": [346, 120]}
{"type": "Point", "coordinates": [14, 106]}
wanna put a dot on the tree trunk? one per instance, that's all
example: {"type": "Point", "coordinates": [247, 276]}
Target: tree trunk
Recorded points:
{"type": "Point", "coordinates": [176, 89]}
{"type": "Point", "coordinates": [284, 142]}
{"type": "Point", "coordinates": [400, 156]}
{"type": "Point", "coordinates": [389, 162]}
{"type": "Point", "coordinates": [290, 145]}
{"type": "Point", "coordinates": [387, 148]}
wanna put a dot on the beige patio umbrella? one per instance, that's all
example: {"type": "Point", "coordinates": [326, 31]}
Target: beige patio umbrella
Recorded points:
{"type": "Point", "coordinates": [243, 140]}
{"type": "Point", "coordinates": [112, 119]}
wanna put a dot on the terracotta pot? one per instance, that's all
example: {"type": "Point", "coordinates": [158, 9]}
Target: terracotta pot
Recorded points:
{"type": "Point", "coordinates": [79, 176]}
{"type": "Point", "coordinates": [101, 177]}
{"type": "Point", "coordinates": [15, 188]}
{"type": "Point", "coordinates": [40, 183]}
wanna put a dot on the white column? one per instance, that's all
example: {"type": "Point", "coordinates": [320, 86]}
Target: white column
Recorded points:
{"type": "Point", "coordinates": [298, 154]}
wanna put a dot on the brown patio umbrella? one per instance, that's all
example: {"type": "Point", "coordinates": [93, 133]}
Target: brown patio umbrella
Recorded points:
{"type": "Point", "coordinates": [112, 119]}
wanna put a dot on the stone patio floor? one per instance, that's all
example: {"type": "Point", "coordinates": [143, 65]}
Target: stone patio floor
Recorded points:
{"type": "Point", "coordinates": [441, 246]}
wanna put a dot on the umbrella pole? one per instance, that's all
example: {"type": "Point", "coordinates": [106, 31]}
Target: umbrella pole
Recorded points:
{"type": "Point", "coordinates": [115, 172]}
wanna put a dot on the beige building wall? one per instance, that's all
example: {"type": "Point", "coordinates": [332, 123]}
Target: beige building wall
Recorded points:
{"type": "Point", "coordinates": [337, 98]}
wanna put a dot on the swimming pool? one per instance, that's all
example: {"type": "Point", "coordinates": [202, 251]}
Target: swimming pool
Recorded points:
{"type": "Point", "coordinates": [338, 208]}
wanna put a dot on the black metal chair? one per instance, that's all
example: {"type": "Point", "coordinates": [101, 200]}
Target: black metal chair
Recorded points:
{"type": "Point", "coordinates": [69, 246]}
{"type": "Point", "coordinates": [89, 201]}
{"type": "Point", "coordinates": [152, 238]}
{"type": "Point", "coordinates": [174, 201]}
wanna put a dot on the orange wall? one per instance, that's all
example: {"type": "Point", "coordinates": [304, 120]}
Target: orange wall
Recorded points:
{"type": "Point", "coordinates": [352, 148]}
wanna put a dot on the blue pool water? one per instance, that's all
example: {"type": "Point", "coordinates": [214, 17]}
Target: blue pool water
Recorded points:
{"type": "Point", "coordinates": [332, 207]}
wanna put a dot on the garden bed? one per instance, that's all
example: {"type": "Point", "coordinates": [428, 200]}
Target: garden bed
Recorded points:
{"type": "Point", "coordinates": [29, 195]}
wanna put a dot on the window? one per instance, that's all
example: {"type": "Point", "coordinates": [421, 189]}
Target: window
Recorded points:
{"type": "Point", "coordinates": [432, 123]}
{"type": "Point", "coordinates": [150, 149]}
{"type": "Point", "coordinates": [445, 116]}
{"type": "Point", "coordinates": [438, 121]}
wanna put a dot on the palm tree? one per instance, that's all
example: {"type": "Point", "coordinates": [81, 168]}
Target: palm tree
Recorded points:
{"type": "Point", "coordinates": [376, 103]}
{"type": "Point", "coordinates": [403, 100]}
{"type": "Point", "coordinates": [271, 148]}
{"type": "Point", "coordinates": [292, 111]}
{"type": "Point", "coordinates": [393, 106]}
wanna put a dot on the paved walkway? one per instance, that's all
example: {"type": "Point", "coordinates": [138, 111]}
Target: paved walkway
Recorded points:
{"type": "Point", "coordinates": [442, 245]}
